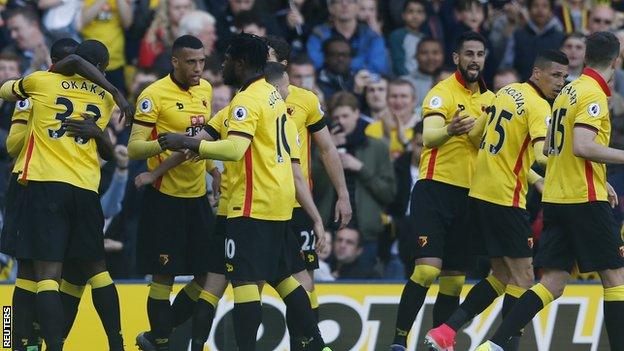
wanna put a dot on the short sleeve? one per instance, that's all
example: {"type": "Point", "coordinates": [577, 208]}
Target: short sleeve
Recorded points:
{"type": "Point", "coordinates": [315, 120]}
{"type": "Point", "coordinates": [21, 113]}
{"type": "Point", "coordinates": [243, 116]}
{"type": "Point", "coordinates": [146, 109]}
{"type": "Point", "coordinates": [24, 87]}
{"type": "Point", "coordinates": [438, 102]}
{"type": "Point", "coordinates": [537, 119]}
{"type": "Point", "coordinates": [591, 112]}
{"type": "Point", "coordinates": [292, 139]}
{"type": "Point", "coordinates": [216, 124]}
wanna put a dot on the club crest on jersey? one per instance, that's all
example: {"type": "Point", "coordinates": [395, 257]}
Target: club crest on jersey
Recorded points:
{"type": "Point", "coordinates": [435, 102]}
{"type": "Point", "coordinates": [145, 105]}
{"type": "Point", "coordinates": [23, 104]}
{"type": "Point", "coordinates": [593, 109]}
{"type": "Point", "coordinates": [240, 113]}
{"type": "Point", "coordinates": [422, 241]}
{"type": "Point", "coordinates": [164, 259]}
{"type": "Point", "coordinates": [290, 110]}
{"type": "Point", "coordinates": [622, 251]}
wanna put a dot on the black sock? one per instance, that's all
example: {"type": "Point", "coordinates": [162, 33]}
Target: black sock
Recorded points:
{"type": "Point", "coordinates": [527, 306]}
{"type": "Point", "coordinates": [183, 305]}
{"type": "Point", "coordinates": [508, 303]}
{"type": "Point", "coordinates": [614, 321]}
{"type": "Point", "coordinates": [106, 302]}
{"type": "Point", "coordinates": [50, 314]}
{"type": "Point", "coordinates": [247, 319]}
{"type": "Point", "coordinates": [23, 313]}
{"type": "Point", "coordinates": [300, 318]}
{"type": "Point", "coordinates": [479, 298]}
{"type": "Point", "coordinates": [202, 321]}
{"type": "Point", "coordinates": [70, 296]}
{"type": "Point", "coordinates": [443, 308]}
{"type": "Point", "coordinates": [412, 299]}
{"type": "Point", "coordinates": [159, 315]}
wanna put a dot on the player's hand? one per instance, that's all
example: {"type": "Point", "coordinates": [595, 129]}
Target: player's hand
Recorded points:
{"type": "Point", "coordinates": [338, 136]}
{"type": "Point", "coordinates": [172, 141]}
{"type": "Point", "coordinates": [143, 179]}
{"type": "Point", "coordinates": [343, 212]}
{"type": "Point", "coordinates": [216, 182]}
{"type": "Point", "coordinates": [191, 155]}
{"type": "Point", "coordinates": [85, 128]}
{"type": "Point", "coordinates": [126, 108]}
{"type": "Point", "coordinates": [350, 163]}
{"type": "Point", "coordinates": [539, 185]}
{"type": "Point", "coordinates": [612, 196]}
{"type": "Point", "coordinates": [460, 124]}
{"type": "Point", "coordinates": [319, 233]}
{"type": "Point", "coordinates": [121, 156]}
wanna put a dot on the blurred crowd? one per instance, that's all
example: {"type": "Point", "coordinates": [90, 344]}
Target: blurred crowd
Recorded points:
{"type": "Point", "coordinates": [369, 61]}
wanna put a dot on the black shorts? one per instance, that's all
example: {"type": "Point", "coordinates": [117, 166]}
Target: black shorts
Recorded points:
{"type": "Point", "coordinates": [59, 222]}
{"type": "Point", "coordinates": [499, 231]}
{"type": "Point", "coordinates": [257, 249]}
{"type": "Point", "coordinates": [14, 200]}
{"type": "Point", "coordinates": [216, 252]}
{"type": "Point", "coordinates": [174, 234]}
{"type": "Point", "coordinates": [580, 232]}
{"type": "Point", "coordinates": [304, 247]}
{"type": "Point", "coordinates": [438, 212]}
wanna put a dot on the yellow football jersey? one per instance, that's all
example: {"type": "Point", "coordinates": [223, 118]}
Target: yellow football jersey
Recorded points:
{"type": "Point", "coordinates": [166, 106]}
{"type": "Point", "coordinates": [571, 179]}
{"type": "Point", "coordinates": [50, 154]}
{"type": "Point", "coordinates": [217, 128]}
{"type": "Point", "coordinates": [21, 115]}
{"type": "Point", "coordinates": [453, 162]}
{"type": "Point", "coordinates": [304, 108]}
{"type": "Point", "coordinates": [515, 121]}
{"type": "Point", "coordinates": [262, 185]}
{"type": "Point", "coordinates": [376, 130]}
{"type": "Point", "coordinates": [106, 27]}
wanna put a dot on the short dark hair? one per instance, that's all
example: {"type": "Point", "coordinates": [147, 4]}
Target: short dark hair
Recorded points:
{"type": "Point", "coordinates": [465, 5]}
{"type": "Point", "coordinates": [300, 61]}
{"type": "Point", "coordinates": [545, 58]}
{"type": "Point", "coordinates": [280, 46]}
{"type": "Point", "coordinates": [504, 71]}
{"type": "Point", "coordinates": [403, 82]}
{"type": "Point", "coordinates": [422, 3]}
{"type": "Point", "coordinates": [10, 56]}
{"type": "Point", "coordinates": [274, 71]}
{"type": "Point", "coordinates": [249, 48]}
{"type": "Point", "coordinates": [333, 40]}
{"type": "Point", "coordinates": [426, 40]}
{"type": "Point", "coordinates": [186, 42]}
{"type": "Point", "coordinates": [602, 49]}
{"type": "Point", "coordinates": [343, 98]}
{"type": "Point", "coordinates": [469, 36]}
{"type": "Point", "coordinates": [62, 48]}
{"type": "Point", "coordinates": [530, 3]}
{"type": "Point", "coordinates": [94, 51]}
{"type": "Point", "coordinates": [575, 35]}
{"type": "Point", "coordinates": [417, 129]}
{"type": "Point", "coordinates": [29, 15]}
{"type": "Point", "coordinates": [245, 18]}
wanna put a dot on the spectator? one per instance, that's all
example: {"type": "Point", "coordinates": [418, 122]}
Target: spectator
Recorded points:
{"type": "Point", "coordinates": [29, 42]}
{"type": "Point", "coordinates": [542, 32]}
{"type": "Point", "coordinates": [301, 74]}
{"type": "Point", "coordinates": [504, 20]}
{"type": "Point", "coordinates": [368, 13]}
{"type": "Point", "coordinates": [59, 18]}
{"type": "Point", "coordinates": [9, 68]}
{"type": "Point", "coordinates": [441, 74]}
{"type": "Point", "coordinates": [396, 126]}
{"type": "Point", "coordinates": [368, 47]}
{"type": "Point", "coordinates": [430, 58]}
{"type": "Point", "coordinates": [163, 30]}
{"type": "Point", "coordinates": [376, 97]}
{"type": "Point", "coordinates": [297, 20]}
{"type": "Point", "coordinates": [251, 23]}
{"type": "Point", "coordinates": [202, 25]}
{"type": "Point", "coordinates": [368, 173]}
{"type": "Point", "coordinates": [212, 70]}
{"type": "Point", "coordinates": [323, 273]}
{"type": "Point", "coordinates": [601, 19]}
{"type": "Point", "coordinates": [573, 15]}
{"type": "Point", "coordinates": [574, 48]}
{"type": "Point", "coordinates": [504, 77]}
{"type": "Point", "coordinates": [348, 261]}
{"type": "Point", "coordinates": [403, 42]}
{"type": "Point", "coordinates": [141, 77]}
{"type": "Point", "coordinates": [106, 20]}
{"type": "Point", "coordinates": [221, 96]}
{"type": "Point", "coordinates": [226, 17]}
{"type": "Point", "coordinates": [336, 73]}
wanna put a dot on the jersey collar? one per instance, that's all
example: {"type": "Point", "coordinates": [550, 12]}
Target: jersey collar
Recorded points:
{"type": "Point", "coordinates": [598, 78]}
{"type": "Point", "coordinates": [250, 81]}
{"type": "Point", "coordinates": [537, 89]}
{"type": "Point", "coordinates": [180, 85]}
{"type": "Point", "coordinates": [462, 82]}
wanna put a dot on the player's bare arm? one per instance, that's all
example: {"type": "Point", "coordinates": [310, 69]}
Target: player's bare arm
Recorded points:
{"type": "Point", "coordinates": [87, 129]}
{"type": "Point", "coordinates": [586, 147]}
{"type": "Point", "coordinates": [333, 166]}
{"type": "Point", "coordinates": [304, 197]}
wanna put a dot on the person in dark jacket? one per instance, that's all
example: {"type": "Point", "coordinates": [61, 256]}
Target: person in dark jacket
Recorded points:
{"type": "Point", "coordinates": [347, 261]}
{"type": "Point", "coordinates": [336, 73]}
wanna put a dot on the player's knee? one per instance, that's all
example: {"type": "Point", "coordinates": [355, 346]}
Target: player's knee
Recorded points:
{"type": "Point", "coordinates": [304, 279]}
{"type": "Point", "coordinates": [25, 270]}
{"type": "Point", "coordinates": [424, 275]}
{"type": "Point", "coordinates": [612, 277]}
{"type": "Point", "coordinates": [555, 282]}
{"type": "Point", "coordinates": [162, 279]}
{"type": "Point", "coordinates": [48, 271]}
{"type": "Point", "coordinates": [523, 278]}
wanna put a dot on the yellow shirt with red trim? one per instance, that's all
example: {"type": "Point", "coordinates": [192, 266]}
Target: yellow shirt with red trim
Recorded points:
{"type": "Point", "coordinates": [304, 108]}
{"type": "Point", "coordinates": [376, 130]}
{"type": "Point", "coordinates": [453, 162]}
{"type": "Point", "coordinates": [107, 28]}
{"type": "Point", "coordinates": [167, 106]}
{"type": "Point", "coordinates": [515, 121]}
{"type": "Point", "coordinates": [262, 184]}
{"type": "Point", "coordinates": [21, 115]}
{"type": "Point", "coordinates": [570, 179]}
{"type": "Point", "coordinates": [217, 128]}
{"type": "Point", "coordinates": [50, 153]}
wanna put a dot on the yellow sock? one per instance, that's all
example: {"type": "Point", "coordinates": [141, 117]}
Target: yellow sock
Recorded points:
{"type": "Point", "coordinates": [47, 285]}
{"type": "Point", "coordinates": [313, 299]}
{"type": "Point", "coordinates": [544, 294]}
{"type": "Point", "coordinates": [100, 280]}
{"type": "Point", "coordinates": [210, 298]}
{"type": "Point", "coordinates": [514, 290]}
{"type": "Point", "coordinates": [452, 285]}
{"type": "Point", "coordinates": [160, 291]}
{"type": "Point", "coordinates": [25, 284]}
{"type": "Point", "coordinates": [193, 290]}
{"type": "Point", "coordinates": [286, 286]}
{"type": "Point", "coordinates": [72, 289]}
{"type": "Point", "coordinates": [424, 275]}
{"type": "Point", "coordinates": [246, 293]}
{"type": "Point", "coordinates": [496, 284]}
{"type": "Point", "coordinates": [615, 293]}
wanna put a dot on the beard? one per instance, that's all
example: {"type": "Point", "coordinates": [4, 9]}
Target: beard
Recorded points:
{"type": "Point", "coordinates": [469, 77]}
{"type": "Point", "coordinates": [229, 78]}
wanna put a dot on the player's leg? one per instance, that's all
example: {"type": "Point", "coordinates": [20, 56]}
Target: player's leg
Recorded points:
{"type": "Point", "coordinates": [521, 279]}
{"type": "Point", "coordinates": [206, 307]}
{"type": "Point", "coordinates": [302, 228]}
{"type": "Point", "coordinates": [25, 327]}
{"type": "Point", "coordinates": [72, 286]}
{"type": "Point", "coordinates": [613, 283]}
{"type": "Point", "coordinates": [183, 304]}
{"type": "Point", "coordinates": [447, 301]}
{"type": "Point", "coordinates": [49, 306]}
{"type": "Point", "coordinates": [247, 313]}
